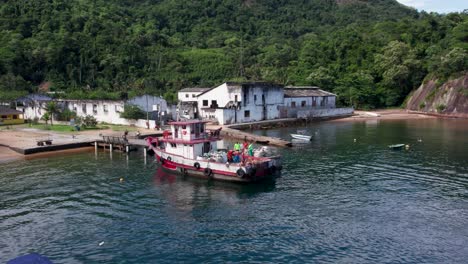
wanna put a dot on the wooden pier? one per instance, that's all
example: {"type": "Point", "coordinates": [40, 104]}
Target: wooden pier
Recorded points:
{"type": "Point", "coordinates": [116, 143]}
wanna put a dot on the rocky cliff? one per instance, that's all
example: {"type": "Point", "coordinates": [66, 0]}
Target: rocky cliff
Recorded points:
{"type": "Point", "coordinates": [448, 99]}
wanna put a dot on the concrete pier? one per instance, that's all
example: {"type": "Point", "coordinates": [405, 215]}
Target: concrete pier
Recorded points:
{"type": "Point", "coordinates": [234, 133]}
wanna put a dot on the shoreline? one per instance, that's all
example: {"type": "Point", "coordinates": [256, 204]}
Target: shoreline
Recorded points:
{"type": "Point", "coordinates": [23, 139]}
{"type": "Point", "coordinates": [387, 114]}
{"type": "Point", "coordinates": [9, 155]}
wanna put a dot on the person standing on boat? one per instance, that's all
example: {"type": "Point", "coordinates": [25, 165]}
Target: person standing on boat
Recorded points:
{"type": "Point", "coordinates": [237, 146]}
{"type": "Point", "coordinates": [229, 155]}
{"type": "Point", "coordinates": [245, 145]}
{"type": "Point", "coordinates": [251, 149]}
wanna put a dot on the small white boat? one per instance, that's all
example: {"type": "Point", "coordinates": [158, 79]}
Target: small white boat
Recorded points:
{"type": "Point", "coordinates": [301, 137]}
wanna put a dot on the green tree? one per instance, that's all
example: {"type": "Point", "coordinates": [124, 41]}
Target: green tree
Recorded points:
{"type": "Point", "coordinates": [51, 109]}
{"type": "Point", "coordinates": [132, 112]}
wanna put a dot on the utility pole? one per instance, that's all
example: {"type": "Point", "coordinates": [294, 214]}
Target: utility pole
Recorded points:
{"type": "Point", "coordinates": [147, 115]}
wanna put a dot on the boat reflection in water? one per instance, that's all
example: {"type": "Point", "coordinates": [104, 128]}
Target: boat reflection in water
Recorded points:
{"type": "Point", "coordinates": [184, 193]}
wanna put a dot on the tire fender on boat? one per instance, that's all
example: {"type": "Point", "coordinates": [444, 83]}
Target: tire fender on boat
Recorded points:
{"type": "Point", "coordinates": [240, 173]}
{"type": "Point", "coordinates": [196, 165]}
{"type": "Point", "coordinates": [169, 158]}
{"type": "Point", "coordinates": [252, 171]}
{"type": "Point", "coordinates": [208, 172]}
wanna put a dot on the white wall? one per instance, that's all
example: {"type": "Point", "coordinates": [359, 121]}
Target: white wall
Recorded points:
{"type": "Point", "coordinates": [325, 112]}
{"type": "Point", "coordinates": [103, 111]}
{"type": "Point", "coordinates": [219, 94]}
{"type": "Point", "coordinates": [188, 96]}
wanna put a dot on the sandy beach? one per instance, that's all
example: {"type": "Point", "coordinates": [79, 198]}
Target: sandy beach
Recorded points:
{"type": "Point", "coordinates": [387, 114]}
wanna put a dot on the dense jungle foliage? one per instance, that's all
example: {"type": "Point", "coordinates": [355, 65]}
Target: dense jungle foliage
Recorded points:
{"type": "Point", "coordinates": [371, 53]}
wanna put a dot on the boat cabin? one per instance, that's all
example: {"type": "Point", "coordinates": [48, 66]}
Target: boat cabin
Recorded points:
{"type": "Point", "coordinates": [190, 139]}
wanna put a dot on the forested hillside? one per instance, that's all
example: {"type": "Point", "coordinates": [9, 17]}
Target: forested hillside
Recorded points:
{"type": "Point", "coordinates": [371, 53]}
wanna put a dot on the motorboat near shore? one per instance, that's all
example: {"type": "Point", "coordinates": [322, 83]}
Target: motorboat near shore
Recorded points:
{"type": "Point", "coordinates": [301, 137]}
{"type": "Point", "coordinates": [190, 149]}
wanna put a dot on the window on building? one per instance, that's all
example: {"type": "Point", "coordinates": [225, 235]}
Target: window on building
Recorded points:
{"type": "Point", "coordinates": [95, 109]}
{"type": "Point", "coordinates": [83, 108]}
{"type": "Point", "coordinates": [205, 102]}
{"type": "Point", "coordinates": [4, 117]}
{"type": "Point", "coordinates": [214, 104]}
{"type": "Point", "coordinates": [106, 108]}
{"type": "Point", "coordinates": [75, 108]}
{"type": "Point", "coordinates": [303, 103]}
{"type": "Point", "coordinates": [255, 98]}
{"type": "Point", "coordinates": [15, 117]}
{"type": "Point", "coordinates": [194, 95]}
{"type": "Point", "coordinates": [247, 113]}
{"type": "Point", "coordinates": [186, 95]}
{"type": "Point", "coordinates": [293, 104]}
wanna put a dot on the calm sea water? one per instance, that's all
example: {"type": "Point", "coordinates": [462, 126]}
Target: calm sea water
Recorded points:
{"type": "Point", "coordinates": [338, 201]}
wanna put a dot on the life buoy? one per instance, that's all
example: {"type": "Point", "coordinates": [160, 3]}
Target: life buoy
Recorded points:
{"type": "Point", "coordinates": [240, 173]}
{"type": "Point", "coordinates": [184, 132]}
{"type": "Point", "coordinates": [252, 171]}
{"type": "Point", "coordinates": [196, 165]}
{"type": "Point", "coordinates": [169, 158]}
{"type": "Point", "coordinates": [208, 172]}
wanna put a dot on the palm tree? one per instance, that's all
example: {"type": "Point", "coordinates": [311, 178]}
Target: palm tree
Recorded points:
{"type": "Point", "coordinates": [51, 109]}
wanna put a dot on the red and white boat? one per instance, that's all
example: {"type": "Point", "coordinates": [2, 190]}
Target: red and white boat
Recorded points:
{"type": "Point", "coordinates": [190, 149]}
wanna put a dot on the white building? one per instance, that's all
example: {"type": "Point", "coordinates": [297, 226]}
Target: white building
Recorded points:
{"type": "Point", "coordinates": [234, 102]}
{"type": "Point", "coordinates": [190, 94]}
{"type": "Point", "coordinates": [188, 106]}
{"type": "Point", "coordinates": [108, 111]}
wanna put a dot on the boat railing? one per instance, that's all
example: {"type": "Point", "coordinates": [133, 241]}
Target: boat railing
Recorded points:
{"type": "Point", "coordinates": [208, 134]}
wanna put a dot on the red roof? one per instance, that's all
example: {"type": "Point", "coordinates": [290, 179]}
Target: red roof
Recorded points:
{"type": "Point", "coordinates": [188, 122]}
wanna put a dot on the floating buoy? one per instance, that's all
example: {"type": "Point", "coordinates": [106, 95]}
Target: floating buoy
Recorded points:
{"type": "Point", "coordinates": [121, 179]}
{"type": "Point", "coordinates": [407, 146]}
{"type": "Point", "coordinates": [355, 140]}
{"type": "Point", "coordinates": [419, 140]}
{"type": "Point", "coordinates": [102, 243]}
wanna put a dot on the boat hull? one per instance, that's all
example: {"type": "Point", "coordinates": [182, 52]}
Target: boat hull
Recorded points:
{"type": "Point", "coordinates": [217, 171]}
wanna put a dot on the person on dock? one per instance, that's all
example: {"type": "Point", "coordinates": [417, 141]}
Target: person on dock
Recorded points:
{"type": "Point", "coordinates": [125, 136]}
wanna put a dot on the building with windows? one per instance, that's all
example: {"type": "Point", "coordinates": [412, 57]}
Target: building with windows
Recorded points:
{"type": "Point", "coordinates": [9, 116]}
{"type": "Point", "coordinates": [108, 111]}
{"type": "Point", "coordinates": [234, 102]}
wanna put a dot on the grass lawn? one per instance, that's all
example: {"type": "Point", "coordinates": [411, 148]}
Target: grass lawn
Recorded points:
{"type": "Point", "coordinates": [120, 127]}
{"type": "Point", "coordinates": [58, 128]}
{"type": "Point", "coordinates": [68, 128]}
